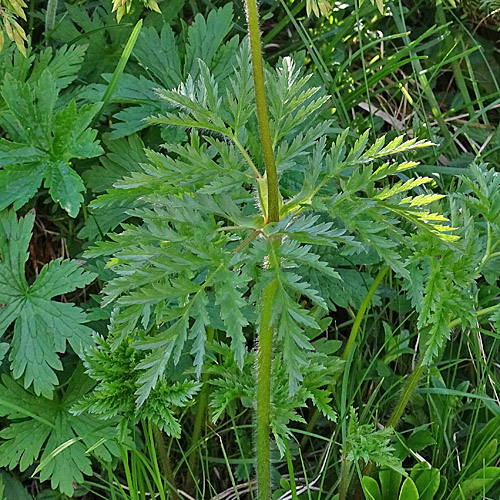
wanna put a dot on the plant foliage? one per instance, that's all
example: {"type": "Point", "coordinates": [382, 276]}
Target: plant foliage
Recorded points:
{"type": "Point", "coordinates": [148, 161]}
{"type": "Point", "coordinates": [45, 134]}
{"type": "Point", "coordinates": [202, 252]}
{"type": "Point", "coordinates": [45, 429]}
{"type": "Point", "coordinates": [42, 326]}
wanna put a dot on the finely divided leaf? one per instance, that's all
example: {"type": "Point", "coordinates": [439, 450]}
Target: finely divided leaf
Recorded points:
{"type": "Point", "coordinates": [231, 302]}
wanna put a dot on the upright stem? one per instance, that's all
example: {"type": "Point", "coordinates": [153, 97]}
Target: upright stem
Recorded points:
{"type": "Point", "coordinates": [50, 16]}
{"type": "Point", "coordinates": [419, 369]}
{"type": "Point", "coordinates": [344, 478]}
{"type": "Point", "coordinates": [262, 116]}
{"type": "Point", "coordinates": [264, 392]}
{"type": "Point", "coordinates": [408, 390]}
{"type": "Point", "coordinates": [272, 215]}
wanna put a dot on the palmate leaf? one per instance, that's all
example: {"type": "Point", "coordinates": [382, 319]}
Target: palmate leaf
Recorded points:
{"type": "Point", "coordinates": [44, 141]}
{"type": "Point", "coordinates": [11, 488]}
{"type": "Point", "coordinates": [42, 326]}
{"type": "Point", "coordinates": [104, 48]}
{"type": "Point", "coordinates": [40, 426]}
{"type": "Point", "coordinates": [64, 64]}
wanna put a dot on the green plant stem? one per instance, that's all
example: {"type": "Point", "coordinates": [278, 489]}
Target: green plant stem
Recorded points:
{"type": "Point", "coordinates": [494, 255]}
{"type": "Point", "coordinates": [488, 253]}
{"type": "Point", "coordinates": [344, 478]}
{"type": "Point", "coordinates": [417, 372]}
{"type": "Point", "coordinates": [128, 475]}
{"type": "Point", "coordinates": [409, 389]}
{"type": "Point", "coordinates": [31, 19]}
{"type": "Point", "coordinates": [361, 312]}
{"type": "Point", "coordinates": [291, 473]}
{"type": "Point", "coordinates": [262, 115]}
{"type": "Point", "coordinates": [264, 392]}
{"type": "Point", "coordinates": [164, 461]}
{"type": "Point", "coordinates": [481, 312]}
{"type": "Point", "coordinates": [249, 160]}
{"type": "Point", "coordinates": [50, 16]}
{"type": "Point", "coordinates": [272, 215]}
{"type": "Point", "coordinates": [200, 418]}
{"type": "Point", "coordinates": [351, 340]}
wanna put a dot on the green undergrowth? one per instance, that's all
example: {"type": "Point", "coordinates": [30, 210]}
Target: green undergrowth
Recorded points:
{"type": "Point", "coordinates": [228, 278]}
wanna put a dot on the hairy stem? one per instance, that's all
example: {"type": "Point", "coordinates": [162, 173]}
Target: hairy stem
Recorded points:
{"type": "Point", "coordinates": [264, 392]}
{"type": "Point", "coordinates": [50, 16]}
{"type": "Point", "coordinates": [408, 390]}
{"type": "Point", "coordinates": [262, 116]}
{"type": "Point", "coordinates": [272, 215]}
{"type": "Point", "coordinates": [344, 479]}
{"type": "Point", "coordinates": [31, 18]}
